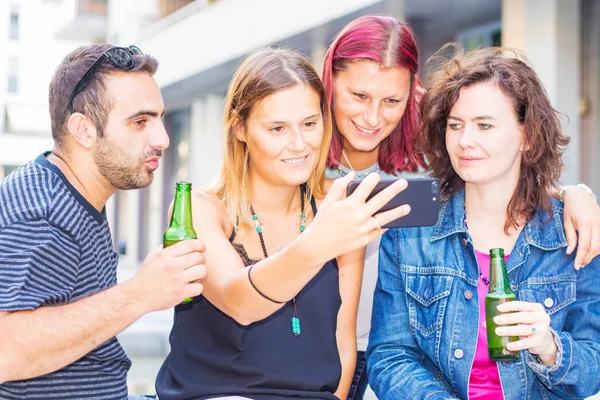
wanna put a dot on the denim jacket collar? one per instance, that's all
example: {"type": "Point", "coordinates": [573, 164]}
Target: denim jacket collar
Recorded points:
{"type": "Point", "coordinates": [542, 232]}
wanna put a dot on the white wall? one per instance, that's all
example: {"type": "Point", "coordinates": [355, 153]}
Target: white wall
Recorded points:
{"type": "Point", "coordinates": [206, 139]}
{"type": "Point", "coordinates": [38, 55]}
{"type": "Point", "coordinates": [548, 31]}
{"type": "Point", "coordinates": [215, 33]}
{"type": "Point", "coordinates": [37, 50]}
{"type": "Point", "coordinates": [127, 18]}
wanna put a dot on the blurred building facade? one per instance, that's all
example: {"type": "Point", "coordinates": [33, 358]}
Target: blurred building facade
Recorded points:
{"type": "Point", "coordinates": [32, 47]}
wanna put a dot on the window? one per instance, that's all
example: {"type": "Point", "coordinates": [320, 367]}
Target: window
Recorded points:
{"type": "Point", "coordinates": [13, 80]}
{"type": "Point", "coordinates": [14, 22]}
{"type": "Point", "coordinates": [481, 36]}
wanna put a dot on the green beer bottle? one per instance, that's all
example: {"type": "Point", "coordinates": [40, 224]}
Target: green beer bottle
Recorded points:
{"type": "Point", "coordinates": [181, 227]}
{"type": "Point", "coordinates": [499, 292]}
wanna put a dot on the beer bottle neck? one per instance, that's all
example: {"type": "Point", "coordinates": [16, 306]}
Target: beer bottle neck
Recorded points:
{"type": "Point", "coordinates": [498, 276]}
{"type": "Point", "coordinates": [182, 209]}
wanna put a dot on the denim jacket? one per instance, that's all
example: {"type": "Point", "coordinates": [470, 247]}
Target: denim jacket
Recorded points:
{"type": "Point", "coordinates": [426, 311]}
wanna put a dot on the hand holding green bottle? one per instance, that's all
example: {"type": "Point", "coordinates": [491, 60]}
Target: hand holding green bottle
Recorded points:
{"type": "Point", "coordinates": [531, 323]}
{"type": "Point", "coordinates": [499, 293]}
{"type": "Point", "coordinates": [181, 226]}
{"type": "Point", "coordinates": [513, 325]}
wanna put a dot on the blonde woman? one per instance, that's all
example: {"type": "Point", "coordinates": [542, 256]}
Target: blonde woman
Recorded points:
{"type": "Point", "coordinates": [284, 262]}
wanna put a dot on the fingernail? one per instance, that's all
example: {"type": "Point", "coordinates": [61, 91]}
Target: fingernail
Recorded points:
{"type": "Point", "coordinates": [497, 320]}
{"type": "Point", "coordinates": [577, 266]}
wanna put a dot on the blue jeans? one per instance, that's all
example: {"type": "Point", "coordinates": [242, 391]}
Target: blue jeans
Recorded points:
{"type": "Point", "coordinates": [360, 380]}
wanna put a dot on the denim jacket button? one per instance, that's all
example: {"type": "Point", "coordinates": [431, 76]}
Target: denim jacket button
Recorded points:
{"type": "Point", "coordinates": [464, 242]}
{"type": "Point", "coordinates": [548, 302]}
{"type": "Point", "coordinates": [458, 353]}
{"type": "Point", "coordinates": [468, 294]}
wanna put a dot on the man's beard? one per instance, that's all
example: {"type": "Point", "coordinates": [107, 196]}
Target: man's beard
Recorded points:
{"type": "Point", "coordinates": [122, 170]}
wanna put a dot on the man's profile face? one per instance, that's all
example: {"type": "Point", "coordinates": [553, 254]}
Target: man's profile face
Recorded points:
{"type": "Point", "coordinates": [135, 136]}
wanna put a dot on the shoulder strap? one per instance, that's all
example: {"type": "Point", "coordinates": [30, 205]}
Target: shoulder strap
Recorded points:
{"type": "Point", "coordinates": [313, 205]}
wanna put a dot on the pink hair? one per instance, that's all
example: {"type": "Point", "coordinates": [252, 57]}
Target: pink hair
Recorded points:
{"type": "Point", "coordinates": [389, 43]}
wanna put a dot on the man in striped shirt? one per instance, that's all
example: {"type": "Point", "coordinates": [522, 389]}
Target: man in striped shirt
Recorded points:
{"type": "Point", "coordinates": [60, 306]}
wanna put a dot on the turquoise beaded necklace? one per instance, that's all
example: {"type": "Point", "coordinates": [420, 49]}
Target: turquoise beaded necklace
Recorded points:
{"type": "Point", "coordinates": [258, 226]}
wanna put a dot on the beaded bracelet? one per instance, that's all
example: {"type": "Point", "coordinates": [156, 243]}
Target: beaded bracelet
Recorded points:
{"type": "Point", "coordinates": [259, 292]}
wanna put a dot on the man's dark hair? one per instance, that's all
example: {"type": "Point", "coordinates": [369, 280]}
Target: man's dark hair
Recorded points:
{"type": "Point", "coordinates": [93, 101]}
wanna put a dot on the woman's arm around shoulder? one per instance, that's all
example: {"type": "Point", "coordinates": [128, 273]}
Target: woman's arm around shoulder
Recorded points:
{"type": "Point", "coordinates": [581, 221]}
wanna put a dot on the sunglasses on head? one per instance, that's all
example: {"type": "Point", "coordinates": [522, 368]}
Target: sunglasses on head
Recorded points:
{"type": "Point", "coordinates": [121, 57]}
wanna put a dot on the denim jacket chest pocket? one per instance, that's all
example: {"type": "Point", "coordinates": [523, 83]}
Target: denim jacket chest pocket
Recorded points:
{"type": "Point", "coordinates": [555, 294]}
{"type": "Point", "coordinates": [427, 301]}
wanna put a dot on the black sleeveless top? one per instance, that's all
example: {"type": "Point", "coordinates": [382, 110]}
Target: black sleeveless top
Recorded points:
{"type": "Point", "coordinates": [212, 355]}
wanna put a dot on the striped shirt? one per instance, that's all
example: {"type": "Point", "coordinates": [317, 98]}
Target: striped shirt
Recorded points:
{"type": "Point", "coordinates": [55, 248]}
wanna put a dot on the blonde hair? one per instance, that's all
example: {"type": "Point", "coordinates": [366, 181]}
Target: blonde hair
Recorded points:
{"type": "Point", "coordinates": [263, 73]}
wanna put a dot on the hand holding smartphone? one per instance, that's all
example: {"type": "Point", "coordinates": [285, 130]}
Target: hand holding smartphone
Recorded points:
{"type": "Point", "coordinates": [422, 195]}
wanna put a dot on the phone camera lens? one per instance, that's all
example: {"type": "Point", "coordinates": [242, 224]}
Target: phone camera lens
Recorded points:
{"type": "Point", "coordinates": [435, 187]}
